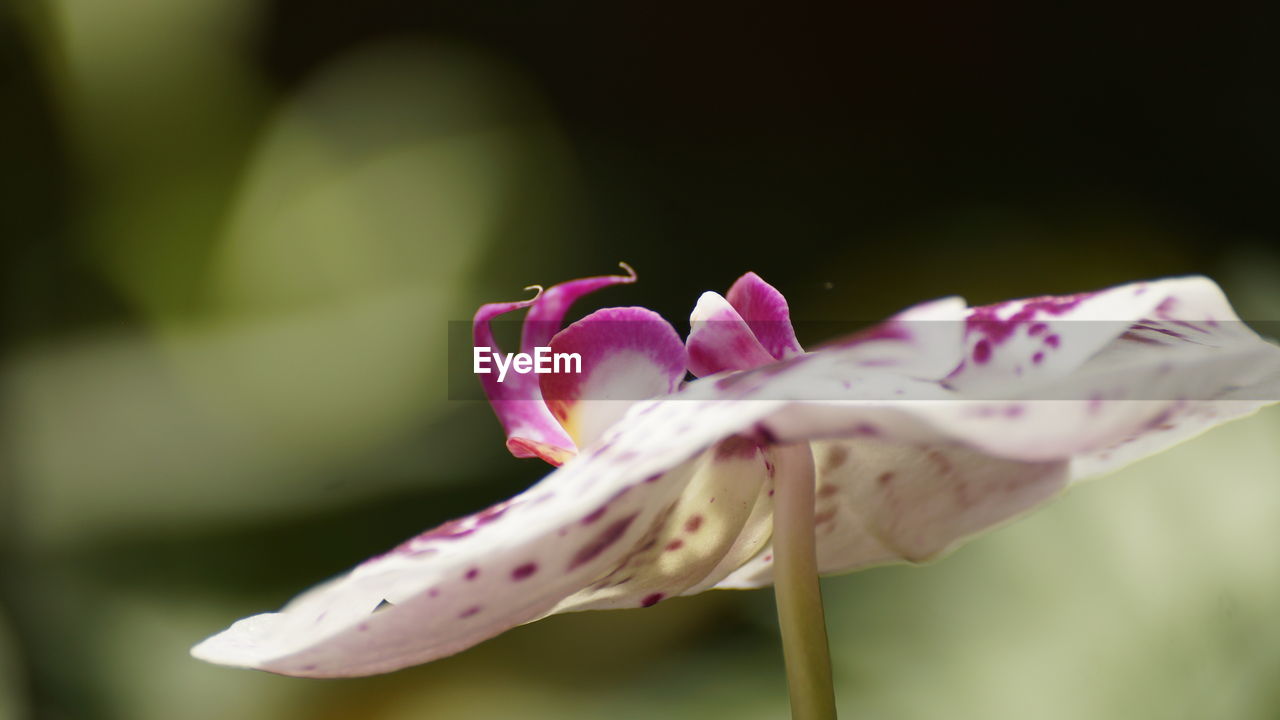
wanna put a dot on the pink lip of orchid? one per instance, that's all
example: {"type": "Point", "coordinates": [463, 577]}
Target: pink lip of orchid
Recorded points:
{"type": "Point", "coordinates": [924, 430]}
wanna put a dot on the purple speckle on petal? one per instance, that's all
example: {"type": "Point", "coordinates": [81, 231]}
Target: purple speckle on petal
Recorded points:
{"type": "Point", "coordinates": [727, 382]}
{"type": "Point", "coordinates": [524, 571]}
{"type": "Point", "coordinates": [448, 531]}
{"type": "Point", "coordinates": [736, 447]}
{"type": "Point", "coordinates": [472, 574]}
{"type": "Point", "coordinates": [1037, 329]}
{"type": "Point", "coordinates": [1095, 404]}
{"type": "Point", "coordinates": [1053, 341]}
{"type": "Point", "coordinates": [987, 320]}
{"type": "Point", "coordinates": [1161, 420]}
{"type": "Point", "coordinates": [693, 523]}
{"type": "Point", "coordinates": [469, 612]}
{"type": "Point", "coordinates": [595, 515]}
{"type": "Point", "coordinates": [982, 352]}
{"type": "Point", "coordinates": [610, 535]}
{"type": "Point", "coordinates": [675, 545]}
{"type": "Point", "coordinates": [652, 600]}
{"type": "Point", "coordinates": [1038, 357]}
{"type": "Point", "coordinates": [1189, 326]}
{"type": "Point", "coordinates": [944, 465]}
{"type": "Point", "coordinates": [765, 435]}
{"type": "Point", "coordinates": [1134, 337]}
{"type": "Point", "coordinates": [884, 331]}
{"type": "Point", "coordinates": [835, 458]}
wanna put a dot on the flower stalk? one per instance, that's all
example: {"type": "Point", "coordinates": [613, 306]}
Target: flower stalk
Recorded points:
{"type": "Point", "coordinates": [799, 597]}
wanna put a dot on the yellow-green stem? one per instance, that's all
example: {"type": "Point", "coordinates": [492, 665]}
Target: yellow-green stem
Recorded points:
{"type": "Point", "coordinates": [795, 572]}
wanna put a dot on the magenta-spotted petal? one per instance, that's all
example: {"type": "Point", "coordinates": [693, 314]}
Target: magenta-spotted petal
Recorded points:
{"type": "Point", "coordinates": [1026, 343]}
{"type": "Point", "coordinates": [532, 430]}
{"type": "Point", "coordinates": [765, 311]}
{"type": "Point", "coordinates": [910, 479]}
{"type": "Point", "coordinates": [720, 340]}
{"type": "Point", "coordinates": [912, 457]}
{"type": "Point", "coordinates": [473, 578]}
{"type": "Point", "coordinates": [626, 354]}
{"type": "Point", "coordinates": [1153, 383]}
{"type": "Point", "coordinates": [879, 501]}
{"type": "Point", "coordinates": [723, 518]}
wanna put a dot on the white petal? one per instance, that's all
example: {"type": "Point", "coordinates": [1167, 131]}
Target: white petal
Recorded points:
{"type": "Point", "coordinates": [879, 502]}
{"type": "Point", "coordinates": [723, 518]}
{"type": "Point", "coordinates": [1123, 390]}
{"type": "Point", "coordinates": [1027, 343]}
{"type": "Point", "coordinates": [720, 340]}
{"type": "Point", "coordinates": [961, 458]}
{"type": "Point", "coordinates": [471, 579]}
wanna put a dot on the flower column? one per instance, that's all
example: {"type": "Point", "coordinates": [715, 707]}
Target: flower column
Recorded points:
{"type": "Point", "coordinates": [800, 616]}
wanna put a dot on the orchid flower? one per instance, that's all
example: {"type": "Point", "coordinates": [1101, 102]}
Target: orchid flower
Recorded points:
{"type": "Point", "coordinates": [775, 464]}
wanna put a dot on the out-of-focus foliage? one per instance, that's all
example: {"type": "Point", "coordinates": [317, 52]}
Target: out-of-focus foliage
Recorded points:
{"type": "Point", "coordinates": [303, 337]}
{"type": "Point", "coordinates": [1144, 594]}
{"type": "Point", "coordinates": [235, 233]}
{"type": "Point", "coordinates": [11, 675]}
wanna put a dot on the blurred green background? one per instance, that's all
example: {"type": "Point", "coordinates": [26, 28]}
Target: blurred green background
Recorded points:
{"type": "Point", "coordinates": [235, 231]}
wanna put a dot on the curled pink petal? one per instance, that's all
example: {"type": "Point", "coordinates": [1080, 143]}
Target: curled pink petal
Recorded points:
{"type": "Point", "coordinates": [626, 354]}
{"type": "Point", "coordinates": [531, 429]}
{"type": "Point", "coordinates": [765, 311]}
{"type": "Point", "coordinates": [720, 340]}
{"type": "Point", "coordinates": [547, 314]}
